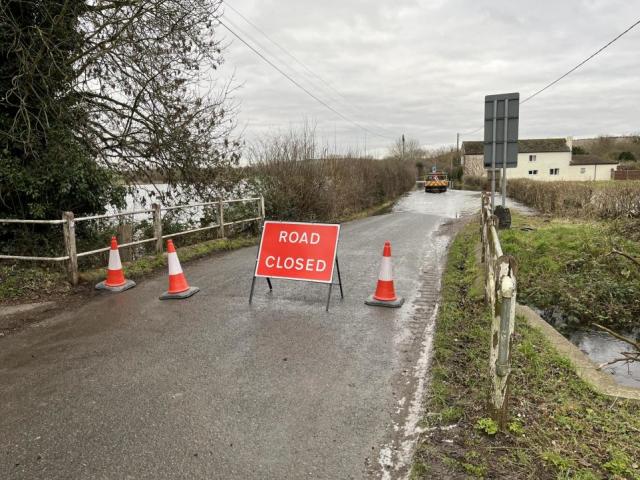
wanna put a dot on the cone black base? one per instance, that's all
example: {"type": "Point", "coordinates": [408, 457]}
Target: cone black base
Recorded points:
{"type": "Point", "coordinates": [384, 303]}
{"type": "Point", "coordinates": [178, 296]}
{"type": "Point", "coordinates": [127, 285]}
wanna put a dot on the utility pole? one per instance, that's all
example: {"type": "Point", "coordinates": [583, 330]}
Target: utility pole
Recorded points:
{"type": "Point", "coordinates": [403, 146]}
{"type": "Point", "coordinates": [457, 154]}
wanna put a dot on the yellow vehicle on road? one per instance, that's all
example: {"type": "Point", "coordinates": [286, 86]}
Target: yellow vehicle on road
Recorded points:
{"type": "Point", "coordinates": [436, 182]}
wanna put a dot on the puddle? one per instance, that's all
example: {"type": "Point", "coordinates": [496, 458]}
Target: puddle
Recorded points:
{"type": "Point", "coordinates": [601, 348]}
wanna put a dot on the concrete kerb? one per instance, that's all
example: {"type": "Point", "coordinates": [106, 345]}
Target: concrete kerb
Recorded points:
{"type": "Point", "coordinates": [583, 366]}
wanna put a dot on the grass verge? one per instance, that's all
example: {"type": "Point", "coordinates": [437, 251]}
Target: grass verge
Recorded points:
{"type": "Point", "coordinates": [559, 427]}
{"type": "Point", "coordinates": [20, 284]}
{"type": "Point", "coordinates": [566, 267]}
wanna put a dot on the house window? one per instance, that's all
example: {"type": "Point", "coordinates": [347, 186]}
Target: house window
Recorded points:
{"type": "Point", "coordinates": [532, 158]}
{"type": "Point", "coordinates": [554, 171]}
{"type": "Point", "coordinates": [582, 170]}
{"type": "Point", "coordinates": [533, 172]}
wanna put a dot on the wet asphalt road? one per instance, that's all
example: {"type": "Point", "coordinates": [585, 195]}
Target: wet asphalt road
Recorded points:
{"type": "Point", "coordinates": [131, 387]}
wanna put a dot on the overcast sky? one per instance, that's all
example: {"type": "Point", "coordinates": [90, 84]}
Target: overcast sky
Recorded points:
{"type": "Point", "coordinates": [423, 67]}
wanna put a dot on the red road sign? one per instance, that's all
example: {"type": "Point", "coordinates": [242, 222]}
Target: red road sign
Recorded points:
{"type": "Point", "coordinates": [298, 251]}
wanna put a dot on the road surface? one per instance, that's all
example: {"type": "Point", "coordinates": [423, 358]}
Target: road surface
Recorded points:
{"type": "Point", "coordinates": [129, 387]}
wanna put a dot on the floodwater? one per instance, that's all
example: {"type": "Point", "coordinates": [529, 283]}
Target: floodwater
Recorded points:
{"type": "Point", "coordinates": [602, 347]}
{"type": "Point", "coordinates": [449, 204]}
{"type": "Point", "coordinates": [599, 346]}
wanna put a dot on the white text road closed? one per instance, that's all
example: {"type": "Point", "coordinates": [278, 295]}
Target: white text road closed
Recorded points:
{"type": "Point", "coordinates": [298, 251]}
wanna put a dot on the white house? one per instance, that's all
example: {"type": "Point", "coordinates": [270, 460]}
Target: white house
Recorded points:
{"type": "Point", "coordinates": [542, 159]}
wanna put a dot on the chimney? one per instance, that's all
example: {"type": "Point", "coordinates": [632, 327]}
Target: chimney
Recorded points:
{"type": "Point", "coordinates": [570, 143]}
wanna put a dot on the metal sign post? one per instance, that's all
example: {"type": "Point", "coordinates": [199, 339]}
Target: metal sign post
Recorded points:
{"type": "Point", "coordinates": [493, 157]}
{"type": "Point", "coordinates": [504, 154]}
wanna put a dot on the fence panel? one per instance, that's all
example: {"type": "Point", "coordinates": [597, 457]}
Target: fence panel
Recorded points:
{"type": "Point", "coordinates": [68, 223]}
{"type": "Point", "coordinates": [500, 295]}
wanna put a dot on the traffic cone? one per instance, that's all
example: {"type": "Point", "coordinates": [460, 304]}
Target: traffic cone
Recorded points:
{"type": "Point", "coordinates": [385, 295]}
{"type": "Point", "coordinates": [178, 286]}
{"type": "Point", "coordinates": [115, 281]}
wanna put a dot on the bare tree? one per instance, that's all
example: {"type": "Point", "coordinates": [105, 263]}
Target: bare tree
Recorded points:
{"type": "Point", "coordinates": [133, 80]}
{"type": "Point", "coordinates": [411, 149]}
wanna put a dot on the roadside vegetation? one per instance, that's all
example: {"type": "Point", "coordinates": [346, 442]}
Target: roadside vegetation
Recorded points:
{"type": "Point", "coordinates": [559, 428]}
{"type": "Point", "coordinates": [301, 181]}
{"type": "Point", "coordinates": [610, 200]}
{"type": "Point", "coordinates": [570, 269]}
{"type": "Point", "coordinates": [470, 182]}
{"type": "Point", "coordinates": [624, 149]}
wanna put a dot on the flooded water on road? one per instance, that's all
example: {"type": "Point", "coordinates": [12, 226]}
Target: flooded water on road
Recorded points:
{"type": "Point", "coordinates": [450, 204]}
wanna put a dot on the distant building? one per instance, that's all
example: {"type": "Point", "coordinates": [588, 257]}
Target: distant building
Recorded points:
{"type": "Point", "coordinates": [542, 159]}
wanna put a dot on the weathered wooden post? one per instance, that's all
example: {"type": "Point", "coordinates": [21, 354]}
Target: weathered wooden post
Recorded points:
{"type": "Point", "coordinates": [69, 232]}
{"type": "Point", "coordinates": [502, 328]}
{"type": "Point", "coordinates": [221, 218]}
{"type": "Point", "coordinates": [125, 235]}
{"type": "Point", "coordinates": [492, 253]}
{"type": "Point", "coordinates": [157, 226]}
{"type": "Point", "coordinates": [262, 210]}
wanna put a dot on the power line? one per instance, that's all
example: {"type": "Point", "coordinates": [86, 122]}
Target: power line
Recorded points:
{"type": "Point", "coordinates": [297, 84]}
{"type": "Point", "coordinates": [267, 51]}
{"type": "Point", "coordinates": [549, 85]}
{"type": "Point", "coordinates": [580, 64]}
{"type": "Point", "coordinates": [345, 100]}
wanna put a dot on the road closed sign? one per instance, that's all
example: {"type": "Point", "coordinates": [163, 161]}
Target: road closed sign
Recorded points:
{"type": "Point", "coordinates": [298, 251]}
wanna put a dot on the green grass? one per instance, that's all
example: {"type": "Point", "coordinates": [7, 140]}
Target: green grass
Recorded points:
{"type": "Point", "coordinates": [558, 427]}
{"type": "Point", "coordinates": [20, 283]}
{"type": "Point", "coordinates": [566, 264]}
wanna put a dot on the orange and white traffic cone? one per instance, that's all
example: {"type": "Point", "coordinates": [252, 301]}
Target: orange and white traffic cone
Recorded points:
{"type": "Point", "coordinates": [178, 286]}
{"type": "Point", "coordinates": [385, 295]}
{"type": "Point", "coordinates": [115, 281]}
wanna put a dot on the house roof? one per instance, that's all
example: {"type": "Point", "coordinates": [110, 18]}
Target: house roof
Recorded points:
{"type": "Point", "coordinates": [588, 159]}
{"type": "Point", "coordinates": [531, 145]}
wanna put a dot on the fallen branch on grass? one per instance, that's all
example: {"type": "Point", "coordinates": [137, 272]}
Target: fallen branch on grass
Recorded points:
{"type": "Point", "coordinates": [625, 255]}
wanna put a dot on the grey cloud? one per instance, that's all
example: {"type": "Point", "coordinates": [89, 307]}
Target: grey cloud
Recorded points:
{"type": "Point", "coordinates": [423, 67]}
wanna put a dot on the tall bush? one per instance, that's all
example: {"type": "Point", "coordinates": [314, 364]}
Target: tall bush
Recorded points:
{"type": "Point", "coordinates": [299, 182]}
{"type": "Point", "coordinates": [604, 200]}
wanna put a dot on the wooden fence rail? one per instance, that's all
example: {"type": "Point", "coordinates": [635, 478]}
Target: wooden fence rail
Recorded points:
{"type": "Point", "coordinates": [69, 222]}
{"type": "Point", "coordinates": [500, 294]}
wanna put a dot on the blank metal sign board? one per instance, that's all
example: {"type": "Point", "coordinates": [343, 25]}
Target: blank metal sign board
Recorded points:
{"type": "Point", "coordinates": [499, 109]}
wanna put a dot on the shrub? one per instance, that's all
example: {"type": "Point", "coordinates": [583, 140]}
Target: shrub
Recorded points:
{"type": "Point", "coordinates": [299, 186]}
{"type": "Point", "coordinates": [604, 200]}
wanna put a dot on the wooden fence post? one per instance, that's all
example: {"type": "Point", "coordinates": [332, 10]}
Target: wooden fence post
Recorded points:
{"type": "Point", "coordinates": [262, 211]}
{"type": "Point", "coordinates": [157, 226]}
{"type": "Point", "coordinates": [221, 218]}
{"type": "Point", "coordinates": [69, 232]}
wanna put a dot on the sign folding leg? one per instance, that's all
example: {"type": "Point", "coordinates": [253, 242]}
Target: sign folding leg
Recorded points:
{"type": "Point", "coordinates": [332, 284]}
{"type": "Point", "coordinates": [253, 284]}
